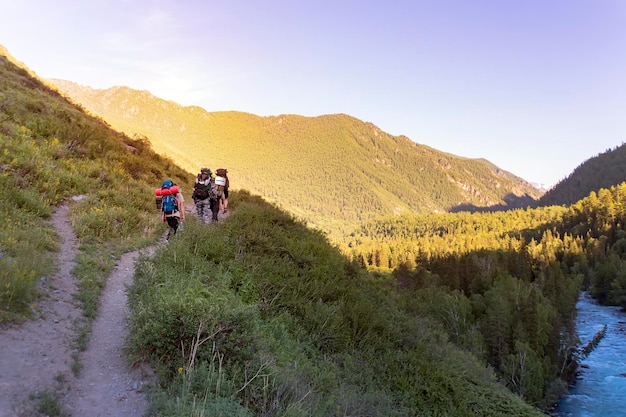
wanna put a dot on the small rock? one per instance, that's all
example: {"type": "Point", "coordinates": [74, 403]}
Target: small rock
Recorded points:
{"type": "Point", "coordinates": [42, 281]}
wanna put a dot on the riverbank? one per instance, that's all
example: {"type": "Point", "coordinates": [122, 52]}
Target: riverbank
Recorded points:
{"type": "Point", "coordinates": [601, 386]}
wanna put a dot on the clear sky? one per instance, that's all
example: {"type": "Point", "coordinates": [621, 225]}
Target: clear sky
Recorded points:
{"type": "Point", "coordinates": [535, 86]}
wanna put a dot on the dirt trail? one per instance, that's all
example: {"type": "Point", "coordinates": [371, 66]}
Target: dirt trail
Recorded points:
{"type": "Point", "coordinates": [36, 356]}
{"type": "Point", "coordinates": [107, 386]}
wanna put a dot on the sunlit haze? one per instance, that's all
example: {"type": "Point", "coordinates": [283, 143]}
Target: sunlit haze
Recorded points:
{"type": "Point", "coordinates": [536, 87]}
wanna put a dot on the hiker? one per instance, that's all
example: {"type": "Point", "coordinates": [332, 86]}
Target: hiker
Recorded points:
{"type": "Point", "coordinates": [201, 194]}
{"type": "Point", "coordinates": [172, 206]}
{"type": "Point", "coordinates": [215, 195]}
{"type": "Point", "coordinates": [223, 172]}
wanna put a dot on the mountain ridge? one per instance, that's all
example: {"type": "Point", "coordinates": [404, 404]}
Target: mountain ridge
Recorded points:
{"type": "Point", "coordinates": [600, 171]}
{"type": "Point", "coordinates": [364, 171]}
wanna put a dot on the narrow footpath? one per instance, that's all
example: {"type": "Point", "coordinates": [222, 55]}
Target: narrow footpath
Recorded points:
{"type": "Point", "coordinates": [107, 385]}
{"type": "Point", "coordinates": [36, 357]}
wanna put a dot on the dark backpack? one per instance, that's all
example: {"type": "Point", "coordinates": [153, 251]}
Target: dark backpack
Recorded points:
{"type": "Point", "coordinates": [201, 191]}
{"type": "Point", "coordinates": [169, 204]}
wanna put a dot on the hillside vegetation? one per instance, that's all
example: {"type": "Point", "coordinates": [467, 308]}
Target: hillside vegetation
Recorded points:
{"type": "Point", "coordinates": [51, 151]}
{"type": "Point", "coordinates": [261, 316]}
{"type": "Point", "coordinates": [255, 316]}
{"type": "Point", "coordinates": [602, 171]}
{"type": "Point", "coordinates": [512, 279]}
{"type": "Point", "coordinates": [453, 314]}
{"type": "Point", "coordinates": [333, 171]}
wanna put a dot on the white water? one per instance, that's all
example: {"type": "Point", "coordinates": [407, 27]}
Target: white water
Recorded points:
{"type": "Point", "coordinates": [601, 388]}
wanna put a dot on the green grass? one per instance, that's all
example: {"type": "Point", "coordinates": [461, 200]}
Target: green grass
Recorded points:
{"type": "Point", "coordinates": [48, 405]}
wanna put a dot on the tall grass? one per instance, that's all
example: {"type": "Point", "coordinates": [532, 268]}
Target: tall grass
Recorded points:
{"type": "Point", "coordinates": [25, 235]}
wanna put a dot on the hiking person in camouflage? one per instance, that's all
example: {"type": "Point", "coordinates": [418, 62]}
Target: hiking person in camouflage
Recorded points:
{"type": "Point", "coordinates": [201, 194]}
{"type": "Point", "coordinates": [215, 195]}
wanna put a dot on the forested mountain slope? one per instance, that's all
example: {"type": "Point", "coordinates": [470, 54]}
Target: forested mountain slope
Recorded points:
{"type": "Point", "coordinates": [602, 171]}
{"type": "Point", "coordinates": [518, 273]}
{"type": "Point", "coordinates": [331, 170]}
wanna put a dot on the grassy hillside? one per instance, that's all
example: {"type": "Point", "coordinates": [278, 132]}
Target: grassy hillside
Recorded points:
{"type": "Point", "coordinates": [51, 151]}
{"type": "Point", "coordinates": [333, 171]}
{"type": "Point", "coordinates": [602, 171]}
{"type": "Point", "coordinates": [261, 316]}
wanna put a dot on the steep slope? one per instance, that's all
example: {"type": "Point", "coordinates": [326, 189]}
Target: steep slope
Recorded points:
{"type": "Point", "coordinates": [51, 151]}
{"type": "Point", "coordinates": [333, 170]}
{"type": "Point", "coordinates": [601, 171]}
{"type": "Point", "coordinates": [54, 153]}
{"type": "Point", "coordinates": [10, 58]}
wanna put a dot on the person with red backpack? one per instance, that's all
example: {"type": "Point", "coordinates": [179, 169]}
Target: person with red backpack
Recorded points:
{"type": "Point", "coordinates": [172, 204]}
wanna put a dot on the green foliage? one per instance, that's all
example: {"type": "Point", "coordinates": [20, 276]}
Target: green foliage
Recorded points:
{"type": "Point", "coordinates": [48, 404]}
{"type": "Point", "coordinates": [18, 285]}
{"type": "Point", "coordinates": [520, 270]}
{"type": "Point", "coordinates": [92, 268]}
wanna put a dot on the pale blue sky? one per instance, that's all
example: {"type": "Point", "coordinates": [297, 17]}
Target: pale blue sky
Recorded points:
{"type": "Point", "coordinates": [535, 86]}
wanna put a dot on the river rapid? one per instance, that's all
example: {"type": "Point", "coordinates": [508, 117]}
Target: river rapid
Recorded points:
{"type": "Point", "coordinates": [601, 387]}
